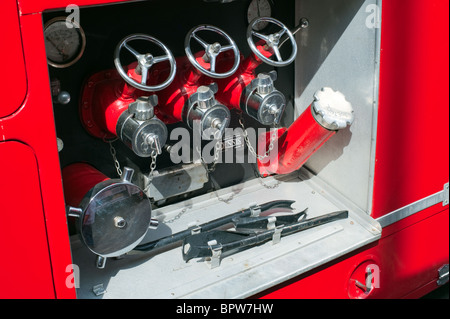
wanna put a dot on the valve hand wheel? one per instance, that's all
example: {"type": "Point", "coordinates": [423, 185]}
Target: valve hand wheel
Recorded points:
{"type": "Point", "coordinates": [212, 51]}
{"type": "Point", "coordinates": [273, 41]}
{"type": "Point", "coordinates": [145, 62]}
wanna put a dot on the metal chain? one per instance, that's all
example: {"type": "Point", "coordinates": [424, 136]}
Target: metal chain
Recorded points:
{"type": "Point", "coordinates": [220, 199]}
{"type": "Point", "coordinates": [212, 169]}
{"type": "Point", "coordinates": [261, 181]}
{"type": "Point", "coordinates": [251, 149]}
{"type": "Point", "coordinates": [170, 221]}
{"type": "Point", "coordinates": [274, 137]}
{"type": "Point", "coordinates": [269, 186]}
{"type": "Point", "coordinates": [223, 200]}
{"type": "Point", "coordinates": [113, 152]}
{"type": "Point", "coordinates": [154, 157]}
{"type": "Point", "coordinates": [218, 150]}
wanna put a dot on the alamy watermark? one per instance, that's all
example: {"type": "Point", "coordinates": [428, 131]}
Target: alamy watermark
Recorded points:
{"type": "Point", "coordinates": [73, 19]}
{"type": "Point", "coordinates": [373, 20]}
{"type": "Point", "coordinates": [211, 147]}
{"type": "Point", "coordinates": [373, 272]}
{"type": "Point", "coordinates": [73, 277]}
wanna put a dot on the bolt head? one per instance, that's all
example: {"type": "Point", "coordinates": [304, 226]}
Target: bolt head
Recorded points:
{"type": "Point", "coordinates": [119, 222]}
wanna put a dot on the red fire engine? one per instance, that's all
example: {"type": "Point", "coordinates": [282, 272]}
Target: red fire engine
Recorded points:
{"type": "Point", "coordinates": [224, 148]}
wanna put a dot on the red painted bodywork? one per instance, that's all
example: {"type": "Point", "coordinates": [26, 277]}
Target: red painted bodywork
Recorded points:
{"type": "Point", "coordinates": [412, 158]}
{"type": "Point", "coordinates": [33, 125]}
{"type": "Point", "coordinates": [408, 259]}
{"type": "Point", "coordinates": [14, 79]}
{"type": "Point", "coordinates": [25, 269]}
{"type": "Point", "coordinates": [413, 117]}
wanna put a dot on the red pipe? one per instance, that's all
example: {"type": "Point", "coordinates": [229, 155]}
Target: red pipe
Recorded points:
{"type": "Point", "coordinates": [105, 97]}
{"type": "Point", "coordinates": [296, 145]}
{"type": "Point", "coordinates": [329, 113]}
{"type": "Point", "coordinates": [173, 98]}
{"type": "Point", "coordinates": [78, 180]}
{"type": "Point", "coordinates": [231, 88]}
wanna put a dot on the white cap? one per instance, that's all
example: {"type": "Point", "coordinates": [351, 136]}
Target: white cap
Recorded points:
{"type": "Point", "coordinates": [332, 110]}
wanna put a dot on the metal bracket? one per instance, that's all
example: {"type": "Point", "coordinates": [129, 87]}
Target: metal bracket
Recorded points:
{"type": "Point", "coordinates": [196, 230]}
{"type": "Point", "coordinates": [100, 262]}
{"type": "Point", "coordinates": [446, 196]}
{"type": "Point", "coordinates": [74, 212]}
{"type": "Point", "coordinates": [443, 275]}
{"type": "Point", "coordinates": [98, 290]}
{"type": "Point", "coordinates": [276, 238]}
{"type": "Point", "coordinates": [420, 205]}
{"type": "Point", "coordinates": [214, 260]}
{"type": "Point", "coordinates": [271, 223]}
{"type": "Point", "coordinates": [255, 210]}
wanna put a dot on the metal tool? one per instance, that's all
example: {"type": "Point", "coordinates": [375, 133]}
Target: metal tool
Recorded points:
{"type": "Point", "coordinates": [213, 244]}
{"type": "Point", "coordinates": [258, 224]}
{"type": "Point", "coordinates": [253, 211]}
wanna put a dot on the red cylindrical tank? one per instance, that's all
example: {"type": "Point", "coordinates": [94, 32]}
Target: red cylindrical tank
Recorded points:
{"type": "Point", "coordinates": [78, 180]}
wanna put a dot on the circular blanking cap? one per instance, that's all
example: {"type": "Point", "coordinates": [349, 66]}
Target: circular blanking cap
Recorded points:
{"type": "Point", "coordinates": [153, 127]}
{"type": "Point", "coordinates": [216, 118]}
{"type": "Point", "coordinates": [272, 108]}
{"type": "Point", "coordinates": [331, 109]}
{"type": "Point", "coordinates": [116, 217]}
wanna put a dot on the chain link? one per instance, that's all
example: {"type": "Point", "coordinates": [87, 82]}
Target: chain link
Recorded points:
{"type": "Point", "coordinates": [215, 186]}
{"type": "Point", "coordinates": [212, 169]}
{"type": "Point", "coordinates": [261, 181]}
{"type": "Point", "coordinates": [113, 152]}
{"type": "Point", "coordinates": [251, 149]}
{"type": "Point", "coordinates": [171, 221]}
{"type": "Point", "coordinates": [224, 200]}
{"type": "Point", "coordinates": [274, 137]}
{"type": "Point", "coordinates": [217, 151]}
{"type": "Point", "coordinates": [154, 157]}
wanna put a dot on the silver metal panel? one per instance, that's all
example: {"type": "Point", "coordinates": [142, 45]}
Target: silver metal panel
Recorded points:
{"type": "Point", "coordinates": [176, 180]}
{"type": "Point", "coordinates": [399, 214]}
{"type": "Point", "coordinates": [166, 275]}
{"type": "Point", "coordinates": [340, 49]}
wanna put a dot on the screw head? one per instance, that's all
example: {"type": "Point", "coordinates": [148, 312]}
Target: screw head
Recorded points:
{"type": "Point", "coordinates": [119, 222]}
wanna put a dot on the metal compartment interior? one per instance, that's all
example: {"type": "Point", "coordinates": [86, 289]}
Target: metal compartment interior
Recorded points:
{"type": "Point", "coordinates": [340, 49]}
